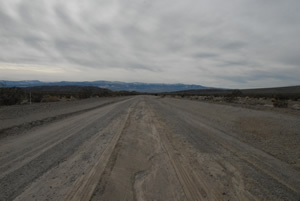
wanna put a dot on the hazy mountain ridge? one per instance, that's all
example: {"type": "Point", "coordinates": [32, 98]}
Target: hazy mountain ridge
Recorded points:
{"type": "Point", "coordinates": [115, 86]}
{"type": "Point", "coordinates": [287, 92]}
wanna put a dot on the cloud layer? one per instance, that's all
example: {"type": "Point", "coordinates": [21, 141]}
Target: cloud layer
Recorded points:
{"type": "Point", "coordinates": [250, 43]}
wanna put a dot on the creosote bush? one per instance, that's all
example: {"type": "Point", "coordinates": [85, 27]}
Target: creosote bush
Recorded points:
{"type": "Point", "coordinates": [280, 103]}
{"type": "Point", "coordinates": [50, 99]}
{"type": "Point", "coordinates": [11, 96]}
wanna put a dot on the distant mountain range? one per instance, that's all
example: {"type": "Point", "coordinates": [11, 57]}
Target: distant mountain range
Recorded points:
{"type": "Point", "coordinates": [292, 92]}
{"type": "Point", "coordinates": [114, 86]}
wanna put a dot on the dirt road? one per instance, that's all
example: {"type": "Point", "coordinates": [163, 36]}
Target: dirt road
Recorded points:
{"type": "Point", "coordinates": [151, 148]}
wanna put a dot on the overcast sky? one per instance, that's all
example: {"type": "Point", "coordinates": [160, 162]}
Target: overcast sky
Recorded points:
{"type": "Point", "coordinates": [232, 43]}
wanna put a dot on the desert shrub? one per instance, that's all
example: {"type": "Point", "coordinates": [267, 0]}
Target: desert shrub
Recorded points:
{"type": "Point", "coordinates": [85, 93]}
{"type": "Point", "coordinates": [236, 93]}
{"type": "Point", "coordinates": [208, 98]}
{"type": "Point", "coordinates": [50, 99]}
{"type": "Point", "coordinates": [280, 103]}
{"type": "Point", "coordinates": [233, 96]}
{"type": "Point", "coordinates": [229, 99]}
{"type": "Point", "coordinates": [36, 97]}
{"type": "Point", "coordinates": [11, 96]}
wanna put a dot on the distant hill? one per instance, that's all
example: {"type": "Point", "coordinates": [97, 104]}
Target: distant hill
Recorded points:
{"type": "Point", "coordinates": [36, 94]}
{"type": "Point", "coordinates": [114, 86]}
{"type": "Point", "coordinates": [67, 89]}
{"type": "Point", "coordinates": [293, 91]}
{"type": "Point", "coordinates": [276, 90]}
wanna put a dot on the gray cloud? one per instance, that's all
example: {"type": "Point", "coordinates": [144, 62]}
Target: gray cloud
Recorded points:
{"type": "Point", "coordinates": [234, 45]}
{"type": "Point", "coordinates": [239, 44]}
{"type": "Point", "coordinates": [205, 55]}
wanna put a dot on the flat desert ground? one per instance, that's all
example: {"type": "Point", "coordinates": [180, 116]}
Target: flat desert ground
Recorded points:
{"type": "Point", "coordinates": [148, 148]}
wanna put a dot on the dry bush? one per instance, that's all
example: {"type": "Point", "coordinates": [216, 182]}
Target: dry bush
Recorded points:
{"type": "Point", "coordinates": [229, 99]}
{"type": "Point", "coordinates": [208, 98]}
{"type": "Point", "coordinates": [11, 96]}
{"type": "Point", "coordinates": [280, 103]}
{"type": "Point", "coordinates": [50, 99]}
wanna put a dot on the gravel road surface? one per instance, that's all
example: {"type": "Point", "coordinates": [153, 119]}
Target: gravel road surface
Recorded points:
{"type": "Point", "coordinates": [148, 148]}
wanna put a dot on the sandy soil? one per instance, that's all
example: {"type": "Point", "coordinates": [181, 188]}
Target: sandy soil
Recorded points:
{"type": "Point", "coordinates": [151, 148]}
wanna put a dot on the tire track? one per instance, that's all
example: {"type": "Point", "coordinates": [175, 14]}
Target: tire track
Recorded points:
{"type": "Point", "coordinates": [32, 152]}
{"type": "Point", "coordinates": [85, 186]}
{"type": "Point", "coordinates": [264, 168]}
{"type": "Point", "coordinates": [193, 188]}
{"type": "Point", "coordinates": [13, 183]}
{"type": "Point", "coordinates": [264, 162]}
